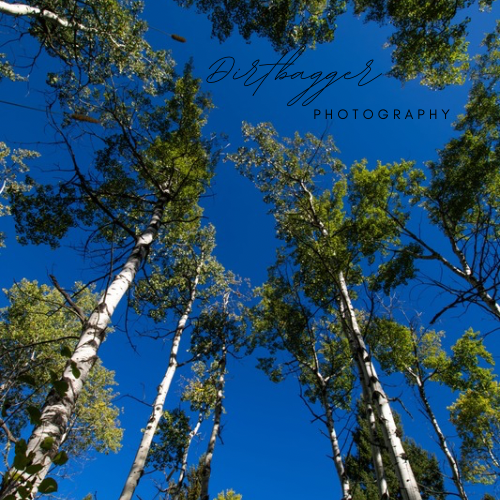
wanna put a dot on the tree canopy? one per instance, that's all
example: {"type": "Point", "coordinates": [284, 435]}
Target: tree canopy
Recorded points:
{"type": "Point", "coordinates": [380, 305]}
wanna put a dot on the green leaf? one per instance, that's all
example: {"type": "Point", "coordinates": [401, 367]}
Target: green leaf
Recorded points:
{"type": "Point", "coordinates": [35, 415]}
{"type": "Point", "coordinates": [61, 386]}
{"type": "Point", "coordinates": [20, 458]}
{"type": "Point", "coordinates": [28, 379]}
{"type": "Point", "coordinates": [21, 447]}
{"type": "Point", "coordinates": [20, 462]}
{"type": "Point", "coordinates": [23, 491]}
{"type": "Point", "coordinates": [60, 459]}
{"type": "Point", "coordinates": [5, 407]}
{"type": "Point", "coordinates": [66, 351]}
{"type": "Point", "coordinates": [47, 443]}
{"type": "Point", "coordinates": [48, 485]}
{"type": "Point", "coordinates": [33, 469]}
{"type": "Point", "coordinates": [74, 370]}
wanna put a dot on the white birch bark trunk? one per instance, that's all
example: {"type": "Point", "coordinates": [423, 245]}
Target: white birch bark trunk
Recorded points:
{"type": "Point", "coordinates": [207, 464]}
{"type": "Point", "coordinates": [41, 475]}
{"type": "Point", "coordinates": [183, 471]}
{"type": "Point", "coordinates": [378, 463]}
{"type": "Point", "coordinates": [371, 385]}
{"type": "Point", "coordinates": [57, 410]}
{"type": "Point", "coordinates": [19, 9]}
{"type": "Point", "coordinates": [337, 455]}
{"type": "Point", "coordinates": [137, 469]}
{"type": "Point", "coordinates": [455, 470]}
{"type": "Point", "coordinates": [372, 388]}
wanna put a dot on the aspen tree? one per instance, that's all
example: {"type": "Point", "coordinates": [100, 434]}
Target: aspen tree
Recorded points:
{"type": "Point", "coordinates": [326, 247]}
{"type": "Point", "coordinates": [218, 333]}
{"type": "Point", "coordinates": [467, 370]}
{"type": "Point", "coordinates": [180, 270]}
{"type": "Point", "coordinates": [153, 168]}
{"type": "Point", "coordinates": [315, 353]}
{"type": "Point", "coordinates": [32, 352]}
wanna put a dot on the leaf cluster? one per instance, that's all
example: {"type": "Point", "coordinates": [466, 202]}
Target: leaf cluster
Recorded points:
{"type": "Point", "coordinates": [37, 334]}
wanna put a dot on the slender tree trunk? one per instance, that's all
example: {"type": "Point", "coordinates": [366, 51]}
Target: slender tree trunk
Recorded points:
{"type": "Point", "coordinates": [184, 466]}
{"type": "Point", "coordinates": [46, 438]}
{"type": "Point", "coordinates": [19, 9]}
{"type": "Point", "coordinates": [207, 464]}
{"type": "Point", "coordinates": [372, 386]}
{"type": "Point", "coordinates": [368, 376]}
{"type": "Point", "coordinates": [137, 469]}
{"type": "Point", "coordinates": [337, 455]}
{"type": "Point", "coordinates": [455, 470]}
{"type": "Point", "coordinates": [378, 463]}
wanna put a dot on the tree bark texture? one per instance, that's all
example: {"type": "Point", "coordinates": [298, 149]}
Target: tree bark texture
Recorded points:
{"type": "Point", "coordinates": [139, 463]}
{"type": "Point", "coordinates": [60, 404]}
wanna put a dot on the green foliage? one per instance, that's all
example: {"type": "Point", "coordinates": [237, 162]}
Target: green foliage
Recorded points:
{"type": "Point", "coordinates": [325, 230]}
{"type": "Point", "coordinates": [476, 411]}
{"type": "Point", "coordinates": [6, 70]}
{"type": "Point", "coordinates": [153, 149]}
{"type": "Point", "coordinates": [429, 38]}
{"type": "Point", "coordinates": [24, 466]}
{"type": "Point", "coordinates": [316, 351]}
{"type": "Point", "coordinates": [218, 329]}
{"type": "Point", "coordinates": [229, 495]}
{"type": "Point", "coordinates": [48, 485]}
{"type": "Point", "coordinates": [171, 440]}
{"type": "Point", "coordinates": [191, 489]}
{"type": "Point", "coordinates": [200, 389]}
{"type": "Point", "coordinates": [184, 254]}
{"type": "Point", "coordinates": [467, 371]}
{"type": "Point", "coordinates": [362, 475]}
{"type": "Point", "coordinates": [285, 23]}
{"type": "Point", "coordinates": [12, 167]}
{"type": "Point", "coordinates": [98, 37]}
{"type": "Point", "coordinates": [458, 194]}
{"type": "Point", "coordinates": [36, 333]}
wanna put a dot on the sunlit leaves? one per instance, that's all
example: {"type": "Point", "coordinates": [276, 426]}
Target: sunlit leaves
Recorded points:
{"type": "Point", "coordinates": [467, 371]}
{"type": "Point", "coordinates": [37, 333]}
{"type": "Point", "coordinates": [429, 39]}
{"type": "Point", "coordinates": [171, 440]}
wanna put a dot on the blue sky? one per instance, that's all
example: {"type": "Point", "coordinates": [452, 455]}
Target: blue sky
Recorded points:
{"type": "Point", "coordinates": [270, 451]}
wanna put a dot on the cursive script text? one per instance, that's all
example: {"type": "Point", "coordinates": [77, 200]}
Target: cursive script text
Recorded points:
{"type": "Point", "coordinates": [225, 65]}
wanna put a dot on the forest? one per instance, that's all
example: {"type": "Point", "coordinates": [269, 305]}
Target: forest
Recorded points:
{"type": "Point", "coordinates": [250, 249]}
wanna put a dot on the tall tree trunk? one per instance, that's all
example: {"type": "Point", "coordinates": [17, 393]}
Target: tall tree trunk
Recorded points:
{"type": "Point", "coordinates": [46, 438]}
{"type": "Point", "coordinates": [43, 472]}
{"type": "Point", "coordinates": [455, 470]}
{"type": "Point", "coordinates": [19, 9]}
{"type": "Point", "coordinates": [183, 471]}
{"type": "Point", "coordinates": [372, 386]}
{"type": "Point", "coordinates": [137, 469]}
{"type": "Point", "coordinates": [207, 463]}
{"type": "Point", "coordinates": [378, 463]}
{"type": "Point", "coordinates": [337, 455]}
{"type": "Point", "coordinates": [368, 376]}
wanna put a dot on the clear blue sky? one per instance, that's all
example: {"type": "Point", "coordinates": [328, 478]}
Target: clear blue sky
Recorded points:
{"type": "Point", "coordinates": [270, 451]}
